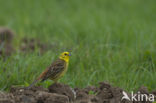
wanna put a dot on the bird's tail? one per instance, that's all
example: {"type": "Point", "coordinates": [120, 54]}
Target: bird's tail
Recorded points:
{"type": "Point", "coordinates": [32, 84]}
{"type": "Point", "coordinates": [38, 79]}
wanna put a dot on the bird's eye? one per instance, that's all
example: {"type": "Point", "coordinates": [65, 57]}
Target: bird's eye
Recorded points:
{"type": "Point", "coordinates": [65, 54]}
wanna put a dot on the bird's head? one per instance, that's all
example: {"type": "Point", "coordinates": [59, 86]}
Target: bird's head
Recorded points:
{"type": "Point", "coordinates": [65, 56]}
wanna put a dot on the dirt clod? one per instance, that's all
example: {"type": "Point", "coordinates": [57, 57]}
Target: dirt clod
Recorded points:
{"type": "Point", "coordinates": [6, 36]}
{"type": "Point", "coordinates": [6, 98]}
{"type": "Point", "coordinates": [44, 97]}
{"type": "Point", "coordinates": [60, 93]}
{"type": "Point", "coordinates": [31, 44]}
{"type": "Point", "coordinates": [62, 89]}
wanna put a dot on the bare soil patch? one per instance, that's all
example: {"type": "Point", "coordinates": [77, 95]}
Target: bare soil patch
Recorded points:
{"type": "Point", "coordinates": [61, 93]}
{"type": "Point", "coordinates": [31, 44]}
{"type": "Point", "coordinates": [6, 37]}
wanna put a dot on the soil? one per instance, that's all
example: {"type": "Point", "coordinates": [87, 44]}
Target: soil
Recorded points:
{"type": "Point", "coordinates": [31, 44]}
{"type": "Point", "coordinates": [6, 37]}
{"type": "Point", "coordinates": [61, 93]}
{"type": "Point", "coordinates": [6, 34]}
{"type": "Point", "coordinates": [26, 44]}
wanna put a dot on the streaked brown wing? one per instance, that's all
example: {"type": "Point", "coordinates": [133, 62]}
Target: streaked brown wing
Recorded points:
{"type": "Point", "coordinates": [55, 68]}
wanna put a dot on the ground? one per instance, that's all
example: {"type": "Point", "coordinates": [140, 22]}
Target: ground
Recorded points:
{"type": "Point", "coordinates": [110, 41]}
{"type": "Point", "coordinates": [60, 93]}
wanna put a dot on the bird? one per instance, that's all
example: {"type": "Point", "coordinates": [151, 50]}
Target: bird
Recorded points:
{"type": "Point", "coordinates": [55, 71]}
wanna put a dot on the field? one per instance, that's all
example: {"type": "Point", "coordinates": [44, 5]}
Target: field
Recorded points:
{"type": "Point", "coordinates": [111, 41]}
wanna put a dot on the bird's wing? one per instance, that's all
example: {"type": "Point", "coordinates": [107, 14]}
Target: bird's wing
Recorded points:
{"type": "Point", "coordinates": [54, 69]}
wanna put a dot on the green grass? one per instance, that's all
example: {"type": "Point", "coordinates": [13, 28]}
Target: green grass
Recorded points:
{"type": "Point", "coordinates": [110, 41]}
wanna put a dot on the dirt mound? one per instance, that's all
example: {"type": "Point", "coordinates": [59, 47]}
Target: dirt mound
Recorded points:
{"type": "Point", "coordinates": [38, 95]}
{"type": "Point", "coordinates": [30, 44]}
{"type": "Point", "coordinates": [60, 93]}
{"type": "Point", "coordinates": [6, 36]}
{"type": "Point", "coordinates": [63, 90]}
{"type": "Point", "coordinates": [26, 45]}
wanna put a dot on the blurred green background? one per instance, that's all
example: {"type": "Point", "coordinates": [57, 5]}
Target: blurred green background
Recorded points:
{"type": "Point", "coordinates": [110, 41]}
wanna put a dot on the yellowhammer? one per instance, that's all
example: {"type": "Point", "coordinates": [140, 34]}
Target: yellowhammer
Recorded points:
{"type": "Point", "coordinates": [56, 70]}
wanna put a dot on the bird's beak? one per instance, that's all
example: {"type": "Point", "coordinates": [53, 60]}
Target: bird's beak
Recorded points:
{"type": "Point", "coordinates": [69, 54]}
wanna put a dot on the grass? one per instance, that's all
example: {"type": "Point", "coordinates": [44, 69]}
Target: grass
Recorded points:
{"type": "Point", "coordinates": [110, 41]}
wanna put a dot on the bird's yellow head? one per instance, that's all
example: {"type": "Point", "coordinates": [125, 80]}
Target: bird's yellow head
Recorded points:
{"type": "Point", "coordinates": [65, 56]}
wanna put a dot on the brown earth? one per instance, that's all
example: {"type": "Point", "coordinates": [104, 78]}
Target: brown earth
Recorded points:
{"type": "Point", "coordinates": [6, 37]}
{"type": "Point", "coordinates": [6, 34]}
{"type": "Point", "coordinates": [60, 93]}
{"type": "Point", "coordinates": [26, 44]}
{"type": "Point", "coordinates": [31, 44]}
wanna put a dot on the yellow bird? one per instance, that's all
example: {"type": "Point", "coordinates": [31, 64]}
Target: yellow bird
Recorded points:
{"type": "Point", "coordinates": [56, 70]}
